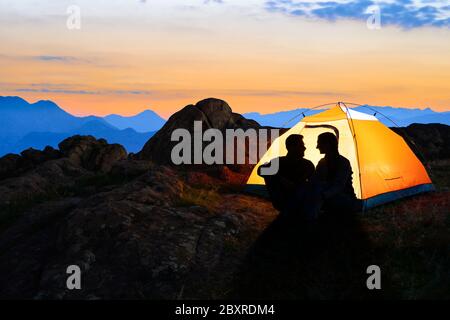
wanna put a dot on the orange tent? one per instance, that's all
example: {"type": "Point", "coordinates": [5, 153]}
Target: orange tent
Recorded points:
{"type": "Point", "coordinates": [384, 167]}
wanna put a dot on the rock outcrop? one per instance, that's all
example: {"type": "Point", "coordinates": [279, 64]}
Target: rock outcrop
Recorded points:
{"type": "Point", "coordinates": [37, 173]}
{"type": "Point", "coordinates": [92, 154]}
{"type": "Point", "coordinates": [213, 114]}
{"type": "Point", "coordinates": [14, 164]}
{"type": "Point", "coordinates": [137, 230]}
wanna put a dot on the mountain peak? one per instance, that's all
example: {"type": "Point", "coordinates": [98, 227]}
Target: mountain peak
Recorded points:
{"type": "Point", "coordinates": [97, 124]}
{"type": "Point", "coordinates": [12, 101]}
{"type": "Point", "coordinates": [145, 121]}
{"type": "Point", "coordinates": [46, 104]}
{"type": "Point", "coordinates": [147, 112]}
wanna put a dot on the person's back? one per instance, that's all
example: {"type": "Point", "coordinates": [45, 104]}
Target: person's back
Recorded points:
{"type": "Point", "coordinates": [296, 170]}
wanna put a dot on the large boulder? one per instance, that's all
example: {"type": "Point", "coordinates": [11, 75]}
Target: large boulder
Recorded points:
{"type": "Point", "coordinates": [92, 154]}
{"type": "Point", "coordinates": [213, 113]}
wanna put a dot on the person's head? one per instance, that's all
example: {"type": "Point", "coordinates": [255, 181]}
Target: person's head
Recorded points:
{"type": "Point", "coordinates": [327, 143]}
{"type": "Point", "coordinates": [295, 145]}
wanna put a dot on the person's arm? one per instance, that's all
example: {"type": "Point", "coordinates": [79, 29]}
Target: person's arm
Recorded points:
{"type": "Point", "coordinates": [337, 185]}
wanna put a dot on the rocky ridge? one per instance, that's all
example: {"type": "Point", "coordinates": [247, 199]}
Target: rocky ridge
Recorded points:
{"type": "Point", "coordinates": [137, 228]}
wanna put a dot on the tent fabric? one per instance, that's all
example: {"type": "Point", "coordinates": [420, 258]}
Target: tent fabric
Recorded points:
{"type": "Point", "coordinates": [384, 167]}
{"type": "Point", "coordinates": [395, 195]}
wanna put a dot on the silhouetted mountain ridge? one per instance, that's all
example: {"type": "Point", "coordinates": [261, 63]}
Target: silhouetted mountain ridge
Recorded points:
{"type": "Point", "coordinates": [390, 116]}
{"type": "Point", "coordinates": [145, 121]}
{"type": "Point", "coordinates": [18, 117]}
{"type": "Point", "coordinates": [24, 125]}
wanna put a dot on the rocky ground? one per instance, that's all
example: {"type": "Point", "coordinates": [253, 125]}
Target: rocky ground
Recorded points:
{"type": "Point", "coordinates": [136, 229]}
{"type": "Point", "coordinates": [140, 229]}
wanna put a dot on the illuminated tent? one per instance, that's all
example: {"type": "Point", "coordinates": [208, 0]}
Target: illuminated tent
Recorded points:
{"type": "Point", "coordinates": [384, 167]}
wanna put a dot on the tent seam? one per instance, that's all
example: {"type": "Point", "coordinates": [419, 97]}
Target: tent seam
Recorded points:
{"type": "Point", "coordinates": [352, 129]}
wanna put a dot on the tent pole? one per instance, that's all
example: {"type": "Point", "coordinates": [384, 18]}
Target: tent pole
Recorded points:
{"type": "Point", "coordinates": [352, 129]}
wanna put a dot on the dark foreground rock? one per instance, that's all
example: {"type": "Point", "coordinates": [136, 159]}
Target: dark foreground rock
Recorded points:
{"type": "Point", "coordinates": [136, 229]}
{"type": "Point", "coordinates": [153, 237]}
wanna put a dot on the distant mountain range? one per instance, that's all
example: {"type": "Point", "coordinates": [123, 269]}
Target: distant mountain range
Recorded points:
{"type": "Point", "coordinates": [145, 121]}
{"type": "Point", "coordinates": [390, 116]}
{"type": "Point", "coordinates": [24, 125]}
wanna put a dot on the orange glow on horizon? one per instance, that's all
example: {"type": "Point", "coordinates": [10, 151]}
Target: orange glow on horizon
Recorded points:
{"type": "Point", "coordinates": [163, 57]}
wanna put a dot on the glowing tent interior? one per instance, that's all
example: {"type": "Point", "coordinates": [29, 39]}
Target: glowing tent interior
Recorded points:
{"type": "Point", "coordinates": [384, 167]}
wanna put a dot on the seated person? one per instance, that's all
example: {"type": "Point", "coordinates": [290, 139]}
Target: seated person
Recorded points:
{"type": "Point", "coordinates": [292, 175]}
{"type": "Point", "coordinates": [333, 178]}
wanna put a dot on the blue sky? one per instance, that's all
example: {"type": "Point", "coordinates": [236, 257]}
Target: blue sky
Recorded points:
{"type": "Point", "coordinates": [405, 13]}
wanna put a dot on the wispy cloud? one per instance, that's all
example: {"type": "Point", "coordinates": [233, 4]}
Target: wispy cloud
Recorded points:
{"type": "Point", "coordinates": [47, 58]}
{"type": "Point", "coordinates": [55, 58]}
{"type": "Point", "coordinates": [406, 13]}
{"type": "Point", "coordinates": [157, 93]}
{"type": "Point", "coordinates": [85, 92]}
{"type": "Point", "coordinates": [75, 61]}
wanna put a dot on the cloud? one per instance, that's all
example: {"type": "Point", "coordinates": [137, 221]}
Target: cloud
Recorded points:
{"type": "Point", "coordinates": [54, 58]}
{"type": "Point", "coordinates": [67, 60]}
{"type": "Point", "coordinates": [157, 93]}
{"type": "Point", "coordinates": [406, 13]}
{"type": "Point", "coordinates": [59, 59]}
{"type": "Point", "coordinates": [56, 91]}
{"type": "Point", "coordinates": [44, 58]}
{"type": "Point", "coordinates": [85, 92]}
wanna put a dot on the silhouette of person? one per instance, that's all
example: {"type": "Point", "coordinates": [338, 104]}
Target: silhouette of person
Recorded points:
{"type": "Point", "coordinates": [294, 172]}
{"type": "Point", "coordinates": [322, 257]}
{"type": "Point", "coordinates": [334, 178]}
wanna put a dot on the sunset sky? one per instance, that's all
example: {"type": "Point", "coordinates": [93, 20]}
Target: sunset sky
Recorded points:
{"type": "Point", "coordinates": [264, 56]}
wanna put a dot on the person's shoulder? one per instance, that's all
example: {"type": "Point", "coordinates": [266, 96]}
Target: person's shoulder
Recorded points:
{"type": "Point", "coordinates": [322, 161]}
{"type": "Point", "coordinates": [344, 160]}
{"type": "Point", "coordinates": [269, 163]}
{"type": "Point", "coordinates": [275, 159]}
{"type": "Point", "coordinates": [282, 159]}
{"type": "Point", "coordinates": [307, 163]}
